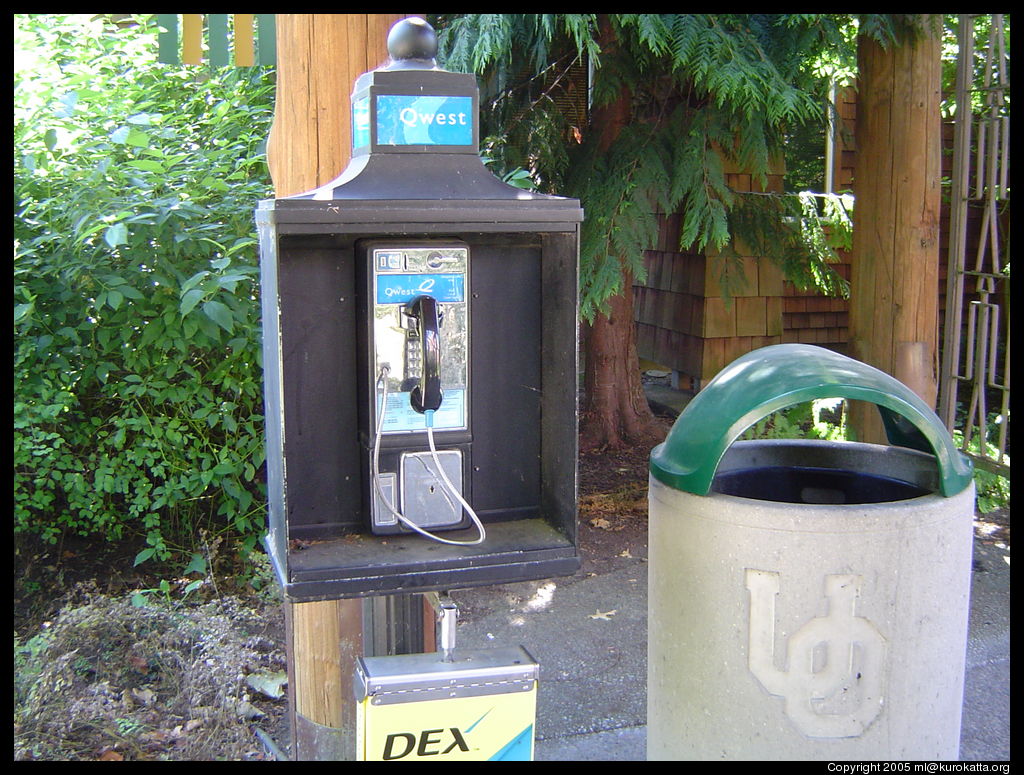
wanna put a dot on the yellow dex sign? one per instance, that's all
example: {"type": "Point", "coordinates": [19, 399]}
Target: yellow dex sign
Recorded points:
{"type": "Point", "coordinates": [480, 706]}
{"type": "Point", "coordinates": [497, 727]}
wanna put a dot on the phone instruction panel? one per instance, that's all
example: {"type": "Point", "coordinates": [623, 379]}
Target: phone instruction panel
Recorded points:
{"type": "Point", "coordinates": [400, 275]}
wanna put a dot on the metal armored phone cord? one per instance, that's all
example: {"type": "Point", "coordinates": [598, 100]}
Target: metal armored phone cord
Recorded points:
{"type": "Point", "coordinates": [445, 482]}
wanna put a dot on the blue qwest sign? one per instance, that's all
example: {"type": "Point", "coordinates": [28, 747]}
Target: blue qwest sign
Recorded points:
{"type": "Point", "coordinates": [424, 120]}
{"type": "Point", "coordinates": [400, 288]}
{"type": "Point", "coordinates": [361, 122]}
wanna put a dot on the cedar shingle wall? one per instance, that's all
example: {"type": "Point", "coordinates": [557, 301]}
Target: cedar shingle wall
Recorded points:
{"type": "Point", "coordinates": [683, 323]}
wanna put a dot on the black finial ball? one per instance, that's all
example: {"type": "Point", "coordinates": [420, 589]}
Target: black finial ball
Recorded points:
{"type": "Point", "coordinates": [412, 38]}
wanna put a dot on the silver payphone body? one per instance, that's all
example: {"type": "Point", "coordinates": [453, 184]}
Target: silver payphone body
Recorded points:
{"type": "Point", "coordinates": [418, 371]}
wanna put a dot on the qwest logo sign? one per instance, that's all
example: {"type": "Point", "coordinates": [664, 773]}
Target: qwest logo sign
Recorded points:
{"type": "Point", "coordinates": [429, 742]}
{"type": "Point", "coordinates": [424, 120]}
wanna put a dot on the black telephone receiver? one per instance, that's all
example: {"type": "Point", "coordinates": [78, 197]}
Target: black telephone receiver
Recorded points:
{"type": "Point", "coordinates": [426, 396]}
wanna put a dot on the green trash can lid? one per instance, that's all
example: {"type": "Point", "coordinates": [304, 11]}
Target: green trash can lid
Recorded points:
{"type": "Point", "coordinates": [772, 378]}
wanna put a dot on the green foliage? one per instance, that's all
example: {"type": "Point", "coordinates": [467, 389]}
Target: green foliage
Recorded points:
{"type": "Point", "coordinates": [618, 217]}
{"type": "Point", "coordinates": [138, 397]}
{"type": "Point", "coordinates": [28, 662]}
{"type": "Point", "coordinates": [992, 491]}
{"type": "Point", "coordinates": [896, 29]}
{"type": "Point", "coordinates": [805, 170]}
{"type": "Point", "coordinates": [701, 90]}
{"type": "Point", "coordinates": [799, 232]}
{"type": "Point", "coordinates": [990, 63]}
{"type": "Point", "coordinates": [823, 418]}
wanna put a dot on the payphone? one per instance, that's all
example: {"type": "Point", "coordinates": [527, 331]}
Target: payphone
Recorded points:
{"type": "Point", "coordinates": [420, 322]}
{"type": "Point", "coordinates": [416, 373]}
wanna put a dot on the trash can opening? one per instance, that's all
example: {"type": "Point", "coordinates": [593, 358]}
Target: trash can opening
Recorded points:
{"type": "Point", "coordinates": [816, 472]}
{"type": "Point", "coordinates": [813, 485]}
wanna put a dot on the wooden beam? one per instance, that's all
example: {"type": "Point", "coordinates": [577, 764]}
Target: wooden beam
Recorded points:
{"type": "Point", "coordinates": [895, 259]}
{"type": "Point", "coordinates": [319, 57]}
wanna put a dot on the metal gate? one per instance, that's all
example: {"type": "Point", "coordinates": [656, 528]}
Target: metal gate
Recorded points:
{"type": "Point", "coordinates": [974, 389]}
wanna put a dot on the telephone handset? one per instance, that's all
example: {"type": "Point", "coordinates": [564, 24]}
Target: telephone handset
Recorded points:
{"type": "Point", "coordinates": [427, 395]}
{"type": "Point", "coordinates": [418, 347]}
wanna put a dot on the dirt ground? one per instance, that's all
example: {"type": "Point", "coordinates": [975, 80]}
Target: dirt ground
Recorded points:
{"type": "Point", "coordinates": [99, 676]}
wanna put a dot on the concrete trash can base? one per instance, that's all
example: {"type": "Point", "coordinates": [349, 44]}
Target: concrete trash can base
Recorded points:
{"type": "Point", "coordinates": [812, 604]}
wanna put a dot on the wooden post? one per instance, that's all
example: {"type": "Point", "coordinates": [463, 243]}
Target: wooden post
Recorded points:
{"type": "Point", "coordinates": [319, 57]}
{"type": "Point", "coordinates": [895, 260]}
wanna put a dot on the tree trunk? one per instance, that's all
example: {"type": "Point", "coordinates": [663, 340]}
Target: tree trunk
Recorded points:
{"type": "Point", "coordinates": [895, 262]}
{"type": "Point", "coordinates": [615, 411]}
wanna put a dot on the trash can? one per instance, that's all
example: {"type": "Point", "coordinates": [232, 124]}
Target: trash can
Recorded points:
{"type": "Point", "coordinates": [808, 600]}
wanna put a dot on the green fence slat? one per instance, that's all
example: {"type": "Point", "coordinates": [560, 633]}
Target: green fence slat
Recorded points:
{"type": "Point", "coordinates": [217, 39]}
{"type": "Point", "coordinates": [167, 39]}
{"type": "Point", "coordinates": [266, 39]}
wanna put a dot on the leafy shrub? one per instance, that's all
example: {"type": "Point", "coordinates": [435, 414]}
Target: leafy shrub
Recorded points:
{"type": "Point", "coordinates": [823, 418]}
{"type": "Point", "coordinates": [993, 490]}
{"type": "Point", "coordinates": [137, 373]}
